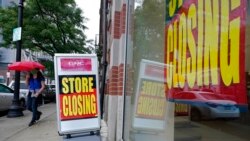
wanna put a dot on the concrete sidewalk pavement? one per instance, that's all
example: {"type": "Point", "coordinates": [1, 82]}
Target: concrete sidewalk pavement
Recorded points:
{"type": "Point", "coordinates": [17, 129]}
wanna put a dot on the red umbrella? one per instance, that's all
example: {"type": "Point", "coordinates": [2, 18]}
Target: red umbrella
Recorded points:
{"type": "Point", "coordinates": [25, 66]}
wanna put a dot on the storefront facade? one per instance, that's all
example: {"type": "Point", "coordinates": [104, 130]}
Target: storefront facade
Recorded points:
{"type": "Point", "coordinates": [178, 70]}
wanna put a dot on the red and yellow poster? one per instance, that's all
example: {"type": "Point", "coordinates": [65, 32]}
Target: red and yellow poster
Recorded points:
{"type": "Point", "coordinates": [204, 47]}
{"type": "Point", "coordinates": [78, 98]}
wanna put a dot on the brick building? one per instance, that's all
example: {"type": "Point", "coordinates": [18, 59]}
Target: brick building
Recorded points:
{"type": "Point", "coordinates": [147, 46]}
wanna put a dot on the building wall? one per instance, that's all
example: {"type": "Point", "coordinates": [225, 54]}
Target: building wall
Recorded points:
{"type": "Point", "coordinates": [116, 58]}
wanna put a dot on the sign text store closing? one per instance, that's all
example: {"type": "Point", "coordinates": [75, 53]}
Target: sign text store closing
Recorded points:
{"type": "Point", "coordinates": [205, 44]}
{"type": "Point", "coordinates": [78, 96]}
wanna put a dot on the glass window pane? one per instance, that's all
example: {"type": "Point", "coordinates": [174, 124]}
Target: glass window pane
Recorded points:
{"type": "Point", "coordinates": [4, 89]}
{"type": "Point", "coordinates": [188, 70]}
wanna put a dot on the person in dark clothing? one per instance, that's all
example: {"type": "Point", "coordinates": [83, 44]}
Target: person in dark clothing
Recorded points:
{"type": "Point", "coordinates": [36, 84]}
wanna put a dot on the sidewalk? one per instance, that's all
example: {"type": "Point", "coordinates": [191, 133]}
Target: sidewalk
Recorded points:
{"type": "Point", "coordinates": [17, 129]}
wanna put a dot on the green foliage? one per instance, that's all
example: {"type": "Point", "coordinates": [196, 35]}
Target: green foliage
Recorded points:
{"type": "Point", "coordinates": [95, 48]}
{"type": "Point", "coordinates": [149, 30]}
{"type": "Point", "coordinates": [52, 26]}
{"type": "Point", "coordinates": [49, 65]}
{"type": "Point", "coordinates": [149, 24]}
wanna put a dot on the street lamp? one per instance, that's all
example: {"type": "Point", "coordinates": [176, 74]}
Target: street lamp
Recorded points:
{"type": "Point", "coordinates": [15, 110]}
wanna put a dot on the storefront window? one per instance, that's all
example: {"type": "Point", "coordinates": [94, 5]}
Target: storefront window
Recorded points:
{"type": "Point", "coordinates": [188, 70]}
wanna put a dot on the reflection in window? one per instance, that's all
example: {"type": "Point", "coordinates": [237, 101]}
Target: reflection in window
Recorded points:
{"type": "Point", "coordinates": [219, 113]}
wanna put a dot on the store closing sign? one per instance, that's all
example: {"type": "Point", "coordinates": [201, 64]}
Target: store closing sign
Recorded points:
{"type": "Point", "coordinates": [77, 93]}
{"type": "Point", "coordinates": [78, 97]}
{"type": "Point", "coordinates": [205, 44]}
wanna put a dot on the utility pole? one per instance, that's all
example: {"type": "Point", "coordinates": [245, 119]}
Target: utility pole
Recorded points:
{"type": "Point", "coordinates": [15, 110]}
{"type": "Point", "coordinates": [103, 34]}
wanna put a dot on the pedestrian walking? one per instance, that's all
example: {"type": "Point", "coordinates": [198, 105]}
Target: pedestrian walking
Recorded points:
{"type": "Point", "coordinates": [36, 84]}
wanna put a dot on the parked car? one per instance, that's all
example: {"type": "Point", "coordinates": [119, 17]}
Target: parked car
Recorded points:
{"type": "Point", "coordinates": [208, 105]}
{"type": "Point", "coordinates": [49, 94]}
{"type": "Point", "coordinates": [24, 90]}
{"type": "Point", "coordinates": [6, 97]}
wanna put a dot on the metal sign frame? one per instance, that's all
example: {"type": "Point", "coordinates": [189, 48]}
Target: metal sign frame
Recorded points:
{"type": "Point", "coordinates": [80, 123]}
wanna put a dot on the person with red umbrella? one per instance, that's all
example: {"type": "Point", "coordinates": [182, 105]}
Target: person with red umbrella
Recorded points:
{"type": "Point", "coordinates": [36, 83]}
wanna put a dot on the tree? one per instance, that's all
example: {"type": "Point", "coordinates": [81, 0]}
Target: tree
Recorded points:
{"type": "Point", "coordinates": [149, 31]}
{"type": "Point", "coordinates": [52, 26]}
{"type": "Point", "coordinates": [95, 48]}
{"type": "Point", "coordinates": [149, 24]}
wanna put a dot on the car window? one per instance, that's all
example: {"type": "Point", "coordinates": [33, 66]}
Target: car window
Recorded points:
{"type": "Point", "coordinates": [22, 86]}
{"type": "Point", "coordinates": [51, 86]}
{"type": "Point", "coordinates": [1, 80]}
{"type": "Point", "coordinates": [46, 87]}
{"type": "Point", "coordinates": [4, 89]}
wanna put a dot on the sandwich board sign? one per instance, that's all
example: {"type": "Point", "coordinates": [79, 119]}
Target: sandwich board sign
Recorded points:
{"type": "Point", "coordinates": [77, 93]}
